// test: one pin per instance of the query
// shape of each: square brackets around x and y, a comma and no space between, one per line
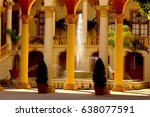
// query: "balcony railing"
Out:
[4,51]
[36,40]
[92,41]
[146,40]
[61,41]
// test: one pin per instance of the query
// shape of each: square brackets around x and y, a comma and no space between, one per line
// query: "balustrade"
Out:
[62,40]
[4,51]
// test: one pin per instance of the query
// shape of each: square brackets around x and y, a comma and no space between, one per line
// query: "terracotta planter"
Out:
[14,73]
[98,90]
[42,88]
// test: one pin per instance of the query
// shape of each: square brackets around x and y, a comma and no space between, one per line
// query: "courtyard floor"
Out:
[60,94]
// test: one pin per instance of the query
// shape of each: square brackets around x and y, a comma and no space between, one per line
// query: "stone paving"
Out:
[60,94]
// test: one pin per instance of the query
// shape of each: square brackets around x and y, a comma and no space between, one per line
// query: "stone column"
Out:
[2,9]
[9,21]
[103,35]
[119,62]
[48,44]
[70,83]
[23,80]
[85,4]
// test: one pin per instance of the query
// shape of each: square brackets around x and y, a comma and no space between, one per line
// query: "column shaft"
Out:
[9,21]
[118,63]
[85,3]
[70,57]
[48,45]
[70,83]
[23,81]
[103,35]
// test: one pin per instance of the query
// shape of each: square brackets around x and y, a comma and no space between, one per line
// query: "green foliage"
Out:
[111,42]
[60,24]
[41,73]
[127,36]
[130,41]
[14,39]
[138,45]
[91,24]
[144,6]
[13,35]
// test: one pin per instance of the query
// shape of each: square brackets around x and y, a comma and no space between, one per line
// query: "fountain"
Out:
[81,70]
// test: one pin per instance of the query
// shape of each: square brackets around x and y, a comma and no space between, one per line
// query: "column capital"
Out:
[9,4]
[119,18]
[103,10]
[25,18]
[71,18]
[48,11]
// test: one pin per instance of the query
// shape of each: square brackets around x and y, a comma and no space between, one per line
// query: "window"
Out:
[139,24]
[41,23]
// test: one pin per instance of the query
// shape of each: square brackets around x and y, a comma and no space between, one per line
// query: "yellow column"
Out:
[23,80]
[70,83]
[118,60]
[2,9]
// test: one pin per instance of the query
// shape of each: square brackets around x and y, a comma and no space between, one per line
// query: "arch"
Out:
[134,66]
[29,9]
[125,6]
[34,59]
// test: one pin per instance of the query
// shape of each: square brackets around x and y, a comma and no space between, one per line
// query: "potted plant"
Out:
[99,78]
[60,25]
[91,24]
[41,77]
[14,72]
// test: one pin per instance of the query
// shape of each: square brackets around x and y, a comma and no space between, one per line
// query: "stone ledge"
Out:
[86,84]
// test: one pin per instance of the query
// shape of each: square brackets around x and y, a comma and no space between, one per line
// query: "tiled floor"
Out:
[32,94]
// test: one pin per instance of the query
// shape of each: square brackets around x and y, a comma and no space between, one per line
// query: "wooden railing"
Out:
[4,51]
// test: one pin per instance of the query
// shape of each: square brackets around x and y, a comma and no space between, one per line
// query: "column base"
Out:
[1,88]
[70,86]
[50,89]
[23,86]
[118,87]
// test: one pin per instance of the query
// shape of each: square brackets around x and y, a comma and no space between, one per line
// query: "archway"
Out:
[34,59]
[134,65]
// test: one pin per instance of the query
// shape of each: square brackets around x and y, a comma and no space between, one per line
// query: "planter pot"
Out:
[103,90]
[14,73]
[42,88]
[98,90]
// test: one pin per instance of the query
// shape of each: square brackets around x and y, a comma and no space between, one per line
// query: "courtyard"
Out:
[60,94]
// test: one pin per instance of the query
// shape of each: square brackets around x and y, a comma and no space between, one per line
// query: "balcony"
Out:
[60,41]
